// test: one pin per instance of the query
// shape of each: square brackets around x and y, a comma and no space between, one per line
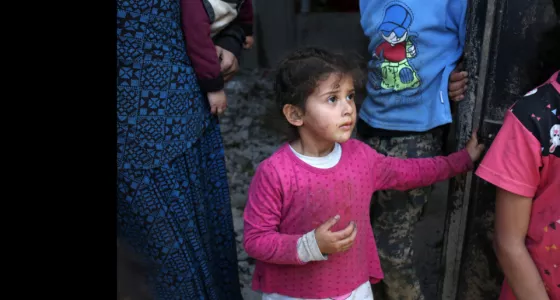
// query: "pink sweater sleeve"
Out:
[404,174]
[262,216]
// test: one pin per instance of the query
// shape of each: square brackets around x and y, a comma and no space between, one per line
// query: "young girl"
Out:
[307,216]
[523,163]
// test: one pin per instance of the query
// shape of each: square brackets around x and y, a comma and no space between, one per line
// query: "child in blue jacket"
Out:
[414,48]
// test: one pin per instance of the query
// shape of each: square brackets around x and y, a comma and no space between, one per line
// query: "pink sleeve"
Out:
[404,174]
[513,161]
[262,216]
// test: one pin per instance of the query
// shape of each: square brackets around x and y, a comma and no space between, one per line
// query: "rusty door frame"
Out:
[468,118]
[494,27]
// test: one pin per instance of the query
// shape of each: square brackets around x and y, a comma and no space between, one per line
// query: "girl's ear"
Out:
[293,114]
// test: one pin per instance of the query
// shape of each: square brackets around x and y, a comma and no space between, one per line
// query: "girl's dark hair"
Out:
[300,72]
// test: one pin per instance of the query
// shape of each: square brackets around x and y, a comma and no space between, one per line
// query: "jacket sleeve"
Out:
[231,38]
[245,17]
[200,47]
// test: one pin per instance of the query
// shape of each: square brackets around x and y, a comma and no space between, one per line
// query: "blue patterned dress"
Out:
[172,190]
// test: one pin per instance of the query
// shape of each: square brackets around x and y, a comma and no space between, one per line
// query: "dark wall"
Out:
[281,28]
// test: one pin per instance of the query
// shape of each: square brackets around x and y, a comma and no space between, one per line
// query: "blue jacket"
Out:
[414,45]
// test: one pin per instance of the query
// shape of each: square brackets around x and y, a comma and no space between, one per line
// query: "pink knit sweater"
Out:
[288,198]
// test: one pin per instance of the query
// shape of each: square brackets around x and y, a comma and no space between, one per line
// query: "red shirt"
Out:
[394,53]
[524,160]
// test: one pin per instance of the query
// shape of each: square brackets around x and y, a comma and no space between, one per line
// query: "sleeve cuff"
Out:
[468,160]
[505,183]
[307,248]
[209,85]
[231,39]
[231,44]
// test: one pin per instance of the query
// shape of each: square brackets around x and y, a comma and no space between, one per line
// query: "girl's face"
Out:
[330,111]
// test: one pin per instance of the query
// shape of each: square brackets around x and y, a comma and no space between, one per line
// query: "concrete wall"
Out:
[279,30]
[335,31]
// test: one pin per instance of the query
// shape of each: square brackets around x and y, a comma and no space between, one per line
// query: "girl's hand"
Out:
[333,242]
[248,44]
[474,148]
[218,102]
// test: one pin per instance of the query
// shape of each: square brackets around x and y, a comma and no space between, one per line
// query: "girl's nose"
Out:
[348,108]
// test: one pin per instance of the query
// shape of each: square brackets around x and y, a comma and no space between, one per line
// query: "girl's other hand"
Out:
[332,242]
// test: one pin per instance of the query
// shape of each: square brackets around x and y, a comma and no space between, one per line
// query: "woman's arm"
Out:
[200,47]
[512,220]
[245,17]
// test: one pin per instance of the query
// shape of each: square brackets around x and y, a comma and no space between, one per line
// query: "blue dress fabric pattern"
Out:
[173,204]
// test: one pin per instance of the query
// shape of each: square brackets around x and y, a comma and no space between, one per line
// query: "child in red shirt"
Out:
[524,164]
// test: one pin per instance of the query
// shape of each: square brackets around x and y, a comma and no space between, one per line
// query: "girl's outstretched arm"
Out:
[405,174]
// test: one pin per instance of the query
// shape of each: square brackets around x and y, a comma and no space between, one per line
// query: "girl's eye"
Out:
[350,97]
[332,99]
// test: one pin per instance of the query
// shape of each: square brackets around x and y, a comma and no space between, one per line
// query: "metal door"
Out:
[501,49]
